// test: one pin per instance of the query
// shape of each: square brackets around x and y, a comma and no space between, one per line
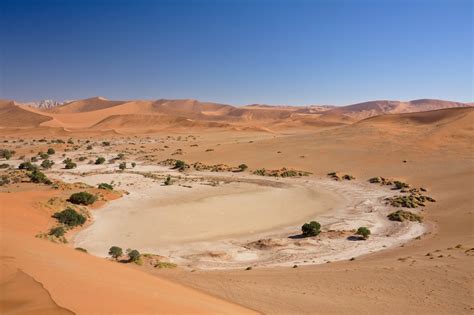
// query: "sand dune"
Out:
[146,116]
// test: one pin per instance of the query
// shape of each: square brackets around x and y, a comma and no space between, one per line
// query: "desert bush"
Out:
[167,181]
[400,185]
[100,160]
[243,167]
[36,176]
[312,228]
[133,255]
[57,231]
[47,164]
[82,198]
[6,154]
[4,180]
[51,151]
[70,217]
[123,166]
[105,186]
[70,165]
[364,232]
[179,165]
[402,215]
[115,252]
[27,166]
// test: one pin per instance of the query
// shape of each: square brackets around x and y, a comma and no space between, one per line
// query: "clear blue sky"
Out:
[237,52]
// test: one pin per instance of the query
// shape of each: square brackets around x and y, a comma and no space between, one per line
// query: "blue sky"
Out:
[237,52]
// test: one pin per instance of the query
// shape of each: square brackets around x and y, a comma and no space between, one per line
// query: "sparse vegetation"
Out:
[133,255]
[312,228]
[100,160]
[70,217]
[46,164]
[36,176]
[105,186]
[403,215]
[27,166]
[364,232]
[6,154]
[115,252]
[243,167]
[82,198]
[57,231]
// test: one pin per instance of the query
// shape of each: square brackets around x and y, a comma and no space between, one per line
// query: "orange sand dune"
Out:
[79,282]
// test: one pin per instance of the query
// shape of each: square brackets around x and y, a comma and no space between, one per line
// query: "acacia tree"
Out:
[115,252]
[364,232]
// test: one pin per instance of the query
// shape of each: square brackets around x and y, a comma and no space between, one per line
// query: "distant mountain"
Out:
[44,104]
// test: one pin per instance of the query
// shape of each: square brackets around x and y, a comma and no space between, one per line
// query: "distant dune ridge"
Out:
[143,116]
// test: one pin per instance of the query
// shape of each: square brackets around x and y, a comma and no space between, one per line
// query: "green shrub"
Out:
[57,231]
[402,215]
[243,167]
[4,180]
[51,151]
[36,176]
[70,217]
[47,164]
[6,154]
[27,166]
[133,255]
[70,165]
[100,160]
[312,228]
[105,186]
[364,232]
[83,198]
[179,165]
[115,252]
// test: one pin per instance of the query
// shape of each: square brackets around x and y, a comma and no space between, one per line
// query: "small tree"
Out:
[364,232]
[133,255]
[312,228]
[115,252]
[51,151]
[100,160]
[83,198]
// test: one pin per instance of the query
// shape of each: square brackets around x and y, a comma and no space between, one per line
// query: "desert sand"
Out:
[429,272]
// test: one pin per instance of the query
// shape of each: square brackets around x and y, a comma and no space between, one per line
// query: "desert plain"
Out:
[214,197]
